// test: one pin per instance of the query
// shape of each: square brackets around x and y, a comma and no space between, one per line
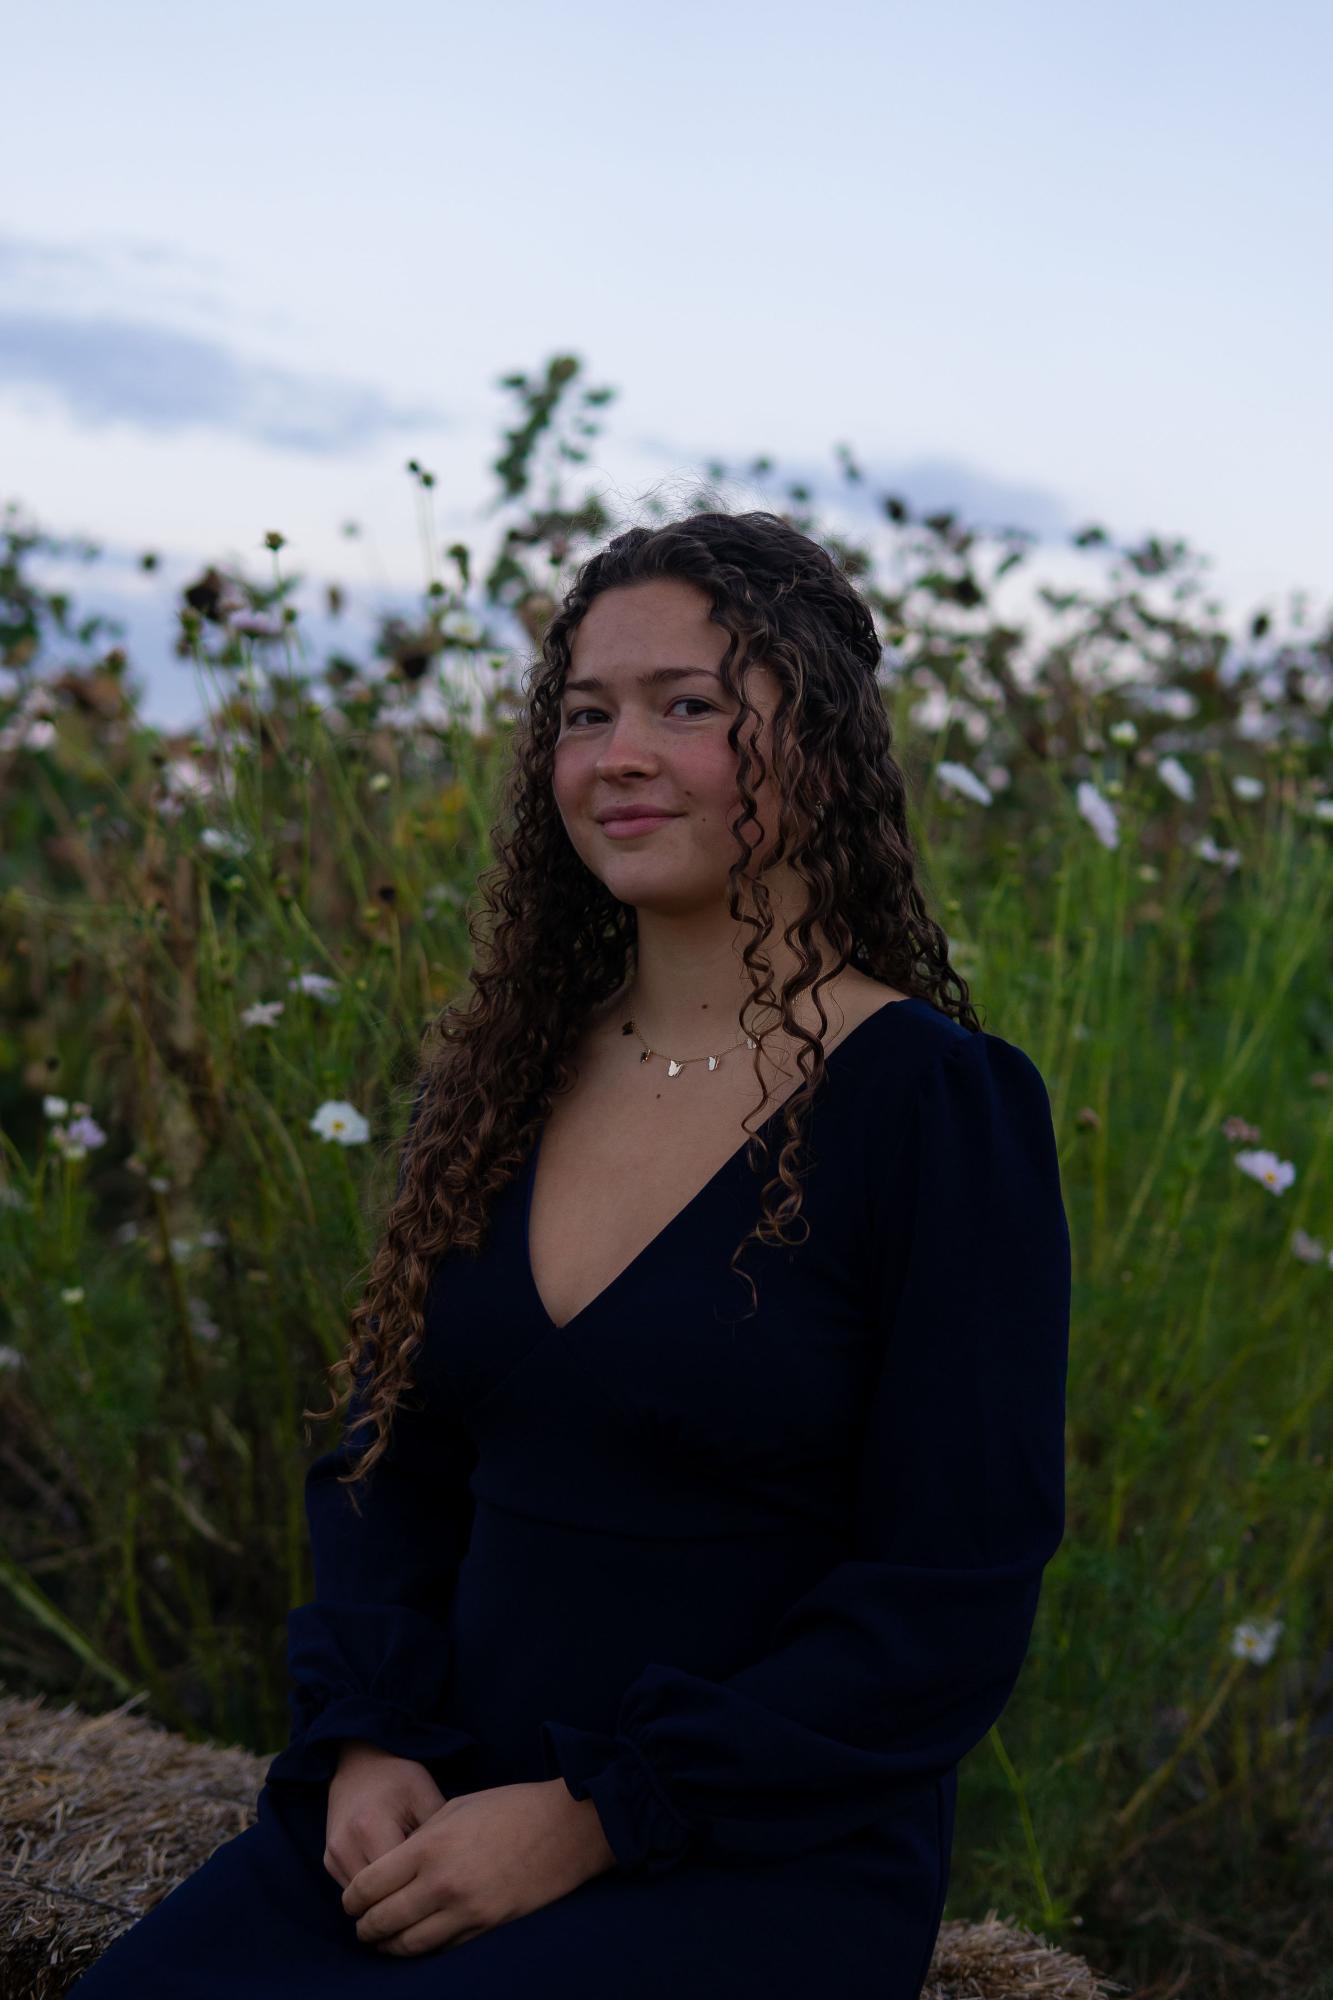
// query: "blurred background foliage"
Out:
[219,949]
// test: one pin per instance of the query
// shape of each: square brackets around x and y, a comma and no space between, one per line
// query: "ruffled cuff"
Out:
[643,1829]
[376,1672]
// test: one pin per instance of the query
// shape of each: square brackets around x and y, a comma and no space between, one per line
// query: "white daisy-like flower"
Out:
[316,983]
[203,1326]
[1265,1166]
[184,778]
[460,625]
[55,1107]
[72,1295]
[218,840]
[1246,787]
[39,735]
[1176,778]
[1308,1248]
[85,1132]
[1227,858]
[960,779]
[261,1013]
[1124,732]
[159,1183]
[1255,1639]
[10,1358]
[1322,810]
[1099,813]
[336,1119]
[256,624]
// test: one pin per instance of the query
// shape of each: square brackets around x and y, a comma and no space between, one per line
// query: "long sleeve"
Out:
[368,1656]
[898,1660]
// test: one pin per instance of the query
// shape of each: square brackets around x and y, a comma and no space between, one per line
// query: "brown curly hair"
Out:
[560,944]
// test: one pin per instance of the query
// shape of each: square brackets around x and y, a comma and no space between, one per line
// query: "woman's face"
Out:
[627,741]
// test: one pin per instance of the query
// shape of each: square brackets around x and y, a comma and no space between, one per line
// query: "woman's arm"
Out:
[368,1657]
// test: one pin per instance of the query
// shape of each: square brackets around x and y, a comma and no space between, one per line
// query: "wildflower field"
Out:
[219,951]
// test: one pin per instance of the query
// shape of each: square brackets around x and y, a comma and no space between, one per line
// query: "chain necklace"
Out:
[675,1064]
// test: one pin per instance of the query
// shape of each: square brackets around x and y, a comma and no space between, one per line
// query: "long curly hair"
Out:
[552,943]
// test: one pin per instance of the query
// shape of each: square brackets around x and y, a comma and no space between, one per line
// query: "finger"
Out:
[433,1933]
[398,1912]
[380,1878]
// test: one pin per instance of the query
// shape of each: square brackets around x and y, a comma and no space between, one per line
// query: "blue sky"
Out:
[1046,264]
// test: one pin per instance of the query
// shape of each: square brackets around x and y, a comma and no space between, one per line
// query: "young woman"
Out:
[689,1520]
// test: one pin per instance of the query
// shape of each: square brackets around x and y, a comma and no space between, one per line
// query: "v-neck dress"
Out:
[752,1582]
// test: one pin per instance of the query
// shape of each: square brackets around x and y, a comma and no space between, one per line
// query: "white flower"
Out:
[317,983]
[339,1120]
[203,1327]
[1308,1248]
[1099,813]
[1227,858]
[1323,810]
[184,778]
[1176,778]
[1263,1165]
[159,1183]
[1255,1638]
[85,1132]
[10,1358]
[261,1014]
[127,1232]
[39,735]
[1247,788]
[380,782]
[256,624]
[62,1142]
[72,1295]
[1125,731]
[55,1107]
[219,841]
[962,780]
[210,1239]
[460,625]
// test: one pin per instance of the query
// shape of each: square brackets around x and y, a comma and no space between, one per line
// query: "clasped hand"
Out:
[482,1859]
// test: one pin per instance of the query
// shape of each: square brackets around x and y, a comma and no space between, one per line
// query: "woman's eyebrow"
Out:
[657,676]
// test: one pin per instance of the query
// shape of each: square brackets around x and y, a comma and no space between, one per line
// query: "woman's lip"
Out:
[644,823]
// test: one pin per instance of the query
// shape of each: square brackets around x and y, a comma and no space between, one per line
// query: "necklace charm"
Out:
[675,1066]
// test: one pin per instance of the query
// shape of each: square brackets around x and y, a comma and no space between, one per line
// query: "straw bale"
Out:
[102,1815]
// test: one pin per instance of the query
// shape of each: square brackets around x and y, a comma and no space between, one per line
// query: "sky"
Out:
[1044,264]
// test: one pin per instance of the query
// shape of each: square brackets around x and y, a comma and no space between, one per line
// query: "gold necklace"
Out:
[675,1064]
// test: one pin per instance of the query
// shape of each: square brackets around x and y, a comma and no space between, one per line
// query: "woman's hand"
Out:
[482,1859]
[375,1801]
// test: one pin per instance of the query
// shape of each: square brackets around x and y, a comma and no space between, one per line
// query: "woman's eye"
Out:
[695,701]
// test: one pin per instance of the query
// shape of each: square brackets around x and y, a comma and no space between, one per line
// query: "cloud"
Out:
[108,370]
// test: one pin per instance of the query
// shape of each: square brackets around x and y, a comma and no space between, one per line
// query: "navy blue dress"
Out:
[752,1584]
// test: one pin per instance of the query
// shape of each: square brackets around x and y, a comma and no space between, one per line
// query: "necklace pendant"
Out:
[713,1061]
[673,1067]
[749,1041]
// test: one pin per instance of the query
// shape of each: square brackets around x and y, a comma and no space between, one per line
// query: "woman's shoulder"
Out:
[906,1046]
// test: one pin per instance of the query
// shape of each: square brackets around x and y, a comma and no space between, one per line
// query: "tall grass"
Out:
[217,956]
